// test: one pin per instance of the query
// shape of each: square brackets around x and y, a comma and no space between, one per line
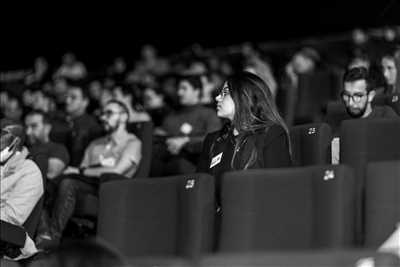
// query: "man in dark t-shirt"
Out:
[357,96]
[55,156]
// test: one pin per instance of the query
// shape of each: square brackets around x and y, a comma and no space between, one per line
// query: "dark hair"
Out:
[254,104]
[121,105]
[45,117]
[358,73]
[81,85]
[392,56]
[255,108]
[193,80]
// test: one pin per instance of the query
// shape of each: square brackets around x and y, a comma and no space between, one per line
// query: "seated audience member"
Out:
[83,127]
[184,131]
[126,94]
[118,152]
[71,68]
[21,182]
[51,157]
[38,127]
[357,96]
[156,105]
[308,87]
[13,109]
[255,135]
[392,244]
[391,71]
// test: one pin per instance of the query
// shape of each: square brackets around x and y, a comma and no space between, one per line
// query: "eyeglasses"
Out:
[109,113]
[356,97]
[224,92]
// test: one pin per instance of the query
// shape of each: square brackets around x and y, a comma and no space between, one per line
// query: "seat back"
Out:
[170,216]
[311,144]
[291,208]
[337,258]
[363,141]
[382,204]
[144,131]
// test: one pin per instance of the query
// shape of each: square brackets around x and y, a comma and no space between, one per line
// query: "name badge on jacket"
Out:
[215,160]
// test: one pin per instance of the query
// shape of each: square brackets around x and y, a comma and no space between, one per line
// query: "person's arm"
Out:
[23,196]
[130,157]
[55,168]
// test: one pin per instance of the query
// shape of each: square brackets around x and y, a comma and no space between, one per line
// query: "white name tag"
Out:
[215,160]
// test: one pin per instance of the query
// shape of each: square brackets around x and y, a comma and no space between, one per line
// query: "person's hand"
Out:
[175,144]
[71,170]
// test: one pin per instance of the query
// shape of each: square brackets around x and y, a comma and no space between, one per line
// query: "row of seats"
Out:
[311,207]
[339,258]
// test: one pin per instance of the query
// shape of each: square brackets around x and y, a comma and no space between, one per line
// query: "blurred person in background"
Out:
[254,64]
[184,130]
[309,86]
[390,65]
[83,127]
[13,109]
[40,73]
[155,103]
[129,95]
[118,152]
[117,71]
[71,68]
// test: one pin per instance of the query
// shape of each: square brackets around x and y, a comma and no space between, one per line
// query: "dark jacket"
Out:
[264,148]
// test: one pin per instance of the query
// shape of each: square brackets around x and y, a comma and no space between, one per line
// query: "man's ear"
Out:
[371,95]
[47,128]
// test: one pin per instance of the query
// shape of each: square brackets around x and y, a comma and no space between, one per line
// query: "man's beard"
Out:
[356,113]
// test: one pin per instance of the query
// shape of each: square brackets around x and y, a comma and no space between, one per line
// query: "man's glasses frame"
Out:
[355,97]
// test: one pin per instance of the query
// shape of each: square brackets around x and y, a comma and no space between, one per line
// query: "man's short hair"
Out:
[80,85]
[358,73]
[45,117]
[121,105]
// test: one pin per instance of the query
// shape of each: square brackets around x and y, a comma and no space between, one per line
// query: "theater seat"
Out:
[382,204]
[292,208]
[87,205]
[339,258]
[166,216]
[311,144]
[364,141]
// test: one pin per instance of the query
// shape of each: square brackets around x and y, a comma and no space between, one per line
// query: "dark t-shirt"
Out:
[382,112]
[44,151]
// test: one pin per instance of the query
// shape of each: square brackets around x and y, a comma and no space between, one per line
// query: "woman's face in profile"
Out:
[225,104]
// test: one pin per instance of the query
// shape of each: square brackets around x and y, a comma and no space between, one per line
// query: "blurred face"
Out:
[225,104]
[13,109]
[389,70]
[75,102]
[152,100]
[356,98]
[112,116]
[302,64]
[36,130]
[188,95]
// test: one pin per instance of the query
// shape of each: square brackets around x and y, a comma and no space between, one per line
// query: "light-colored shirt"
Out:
[21,188]
[106,152]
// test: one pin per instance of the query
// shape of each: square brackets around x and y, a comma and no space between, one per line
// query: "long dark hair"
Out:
[255,109]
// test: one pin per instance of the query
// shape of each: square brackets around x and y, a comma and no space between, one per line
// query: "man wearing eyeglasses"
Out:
[357,96]
[118,152]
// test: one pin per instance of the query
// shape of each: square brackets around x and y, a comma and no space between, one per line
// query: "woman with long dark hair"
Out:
[255,135]
[390,64]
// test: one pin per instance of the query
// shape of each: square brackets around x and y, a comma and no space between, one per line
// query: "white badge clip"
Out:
[215,160]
